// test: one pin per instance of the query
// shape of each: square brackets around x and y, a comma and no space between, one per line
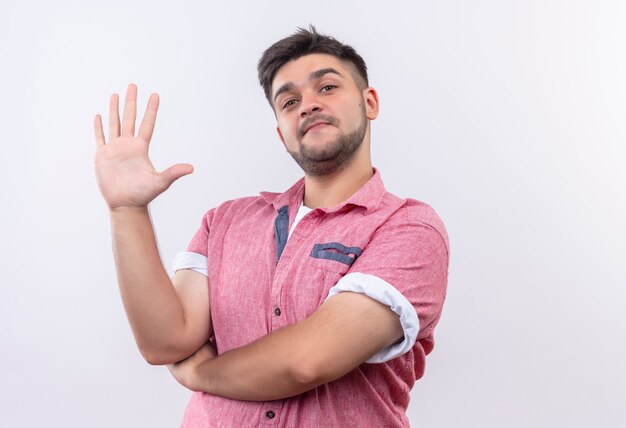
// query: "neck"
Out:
[333,189]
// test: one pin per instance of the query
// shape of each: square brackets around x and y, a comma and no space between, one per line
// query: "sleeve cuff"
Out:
[385,293]
[193,261]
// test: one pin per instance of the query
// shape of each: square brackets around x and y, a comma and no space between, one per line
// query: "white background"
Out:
[508,117]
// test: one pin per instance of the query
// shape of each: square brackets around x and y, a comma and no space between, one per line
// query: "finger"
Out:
[173,173]
[149,119]
[130,111]
[98,131]
[114,117]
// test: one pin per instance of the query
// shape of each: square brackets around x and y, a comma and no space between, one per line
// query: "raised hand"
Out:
[126,177]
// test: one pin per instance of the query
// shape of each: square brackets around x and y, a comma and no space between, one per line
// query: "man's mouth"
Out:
[315,126]
[316,123]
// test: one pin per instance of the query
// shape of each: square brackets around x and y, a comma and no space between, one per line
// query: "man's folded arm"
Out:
[180,335]
[391,297]
[169,317]
[344,332]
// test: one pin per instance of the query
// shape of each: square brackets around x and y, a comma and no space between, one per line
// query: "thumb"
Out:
[173,173]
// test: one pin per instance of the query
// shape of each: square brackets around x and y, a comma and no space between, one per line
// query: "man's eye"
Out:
[327,88]
[289,103]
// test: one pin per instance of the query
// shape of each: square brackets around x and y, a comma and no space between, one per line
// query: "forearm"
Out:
[152,305]
[260,371]
[343,333]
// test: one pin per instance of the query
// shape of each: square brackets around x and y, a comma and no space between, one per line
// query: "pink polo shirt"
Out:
[264,276]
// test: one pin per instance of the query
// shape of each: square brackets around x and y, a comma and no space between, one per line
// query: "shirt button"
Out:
[270,415]
[277,312]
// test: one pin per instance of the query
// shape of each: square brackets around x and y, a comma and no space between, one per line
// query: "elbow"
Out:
[314,368]
[303,375]
[309,374]
[155,360]
[156,357]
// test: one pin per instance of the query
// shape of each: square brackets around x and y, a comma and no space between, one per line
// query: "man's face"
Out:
[322,113]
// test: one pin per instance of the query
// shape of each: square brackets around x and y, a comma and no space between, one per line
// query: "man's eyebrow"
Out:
[286,87]
[319,73]
[313,76]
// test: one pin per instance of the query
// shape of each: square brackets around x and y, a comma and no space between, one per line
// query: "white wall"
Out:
[507,116]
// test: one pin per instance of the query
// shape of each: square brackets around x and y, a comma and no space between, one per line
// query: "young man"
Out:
[312,307]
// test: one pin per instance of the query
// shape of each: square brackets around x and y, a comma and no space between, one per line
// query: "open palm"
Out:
[125,174]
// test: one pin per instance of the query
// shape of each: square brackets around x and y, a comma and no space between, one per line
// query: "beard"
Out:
[336,155]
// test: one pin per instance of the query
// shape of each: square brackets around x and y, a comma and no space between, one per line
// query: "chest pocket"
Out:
[332,260]
[336,252]
[327,263]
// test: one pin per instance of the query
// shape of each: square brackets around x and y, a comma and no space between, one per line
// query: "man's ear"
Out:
[370,96]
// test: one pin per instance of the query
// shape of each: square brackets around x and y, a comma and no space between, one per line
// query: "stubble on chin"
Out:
[337,154]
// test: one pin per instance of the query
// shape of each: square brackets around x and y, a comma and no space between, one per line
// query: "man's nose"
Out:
[309,105]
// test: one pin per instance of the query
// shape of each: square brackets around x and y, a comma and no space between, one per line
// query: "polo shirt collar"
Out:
[368,196]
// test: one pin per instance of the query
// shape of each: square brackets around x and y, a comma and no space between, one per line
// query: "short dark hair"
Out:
[304,42]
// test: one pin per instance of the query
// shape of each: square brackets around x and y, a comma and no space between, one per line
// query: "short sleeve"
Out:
[410,253]
[199,243]
[194,261]
[197,254]
[385,293]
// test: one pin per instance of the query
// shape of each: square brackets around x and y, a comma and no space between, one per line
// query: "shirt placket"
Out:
[286,245]
[281,231]
[271,413]
[285,254]
[285,248]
